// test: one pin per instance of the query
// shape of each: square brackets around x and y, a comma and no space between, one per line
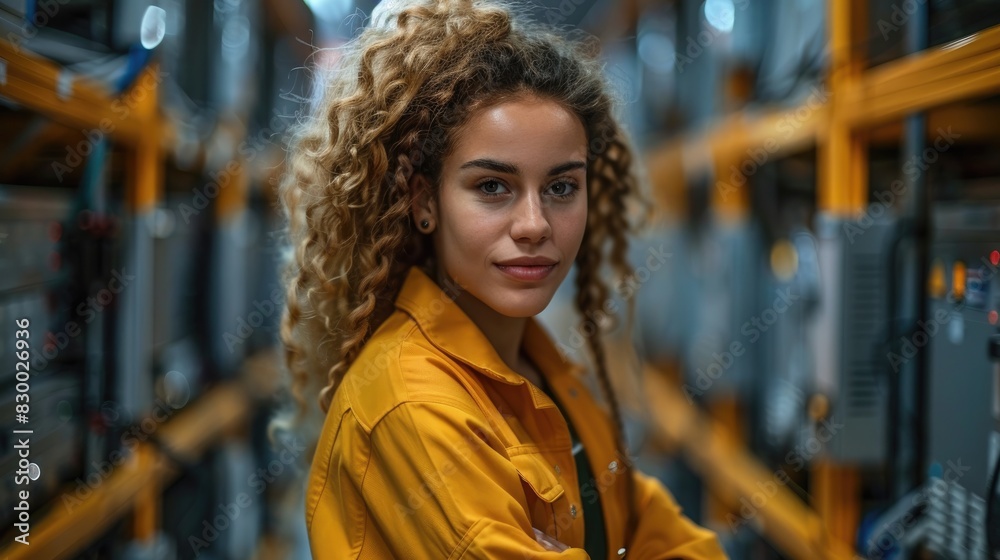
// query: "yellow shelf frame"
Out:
[135,486]
[731,473]
[968,68]
[36,84]
[134,121]
[862,103]
[725,145]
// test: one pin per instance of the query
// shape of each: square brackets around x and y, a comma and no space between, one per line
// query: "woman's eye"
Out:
[492,188]
[563,189]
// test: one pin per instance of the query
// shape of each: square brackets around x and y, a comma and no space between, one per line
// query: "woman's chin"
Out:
[518,303]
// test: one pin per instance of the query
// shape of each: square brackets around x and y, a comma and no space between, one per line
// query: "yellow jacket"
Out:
[433,448]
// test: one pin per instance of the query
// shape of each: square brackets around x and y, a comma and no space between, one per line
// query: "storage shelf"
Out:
[864,106]
[132,120]
[225,408]
[964,70]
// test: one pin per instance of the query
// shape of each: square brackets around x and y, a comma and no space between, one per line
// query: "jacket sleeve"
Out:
[663,532]
[435,489]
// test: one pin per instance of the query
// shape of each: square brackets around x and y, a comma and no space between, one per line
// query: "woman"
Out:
[461,163]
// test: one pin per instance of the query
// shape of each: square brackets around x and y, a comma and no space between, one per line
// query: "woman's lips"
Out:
[527,273]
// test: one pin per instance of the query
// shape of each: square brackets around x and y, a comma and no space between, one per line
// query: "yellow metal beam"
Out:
[146,185]
[75,522]
[843,171]
[146,516]
[965,69]
[737,478]
[233,194]
[235,176]
[843,152]
[837,487]
[977,123]
[727,414]
[730,151]
[669,185]
[45,87]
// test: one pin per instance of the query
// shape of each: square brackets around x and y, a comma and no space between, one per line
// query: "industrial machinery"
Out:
[845,337]
[948,514]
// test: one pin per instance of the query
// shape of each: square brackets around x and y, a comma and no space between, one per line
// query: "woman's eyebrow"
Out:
[511,169]
[568,166]
[493,165]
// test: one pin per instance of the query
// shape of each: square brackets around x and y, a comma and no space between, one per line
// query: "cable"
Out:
[904,231]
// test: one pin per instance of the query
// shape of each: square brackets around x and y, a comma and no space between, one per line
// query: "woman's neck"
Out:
[504,333]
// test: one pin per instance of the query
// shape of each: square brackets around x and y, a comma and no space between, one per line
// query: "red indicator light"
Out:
[993,317]
[995,257]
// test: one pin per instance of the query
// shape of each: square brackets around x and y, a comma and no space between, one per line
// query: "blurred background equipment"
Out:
[37,284]
[139,233]
[815,371]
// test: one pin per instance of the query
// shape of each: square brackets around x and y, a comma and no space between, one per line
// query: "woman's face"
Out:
[511,209]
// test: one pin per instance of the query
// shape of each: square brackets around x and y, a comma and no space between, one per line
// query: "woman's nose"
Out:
[530,223]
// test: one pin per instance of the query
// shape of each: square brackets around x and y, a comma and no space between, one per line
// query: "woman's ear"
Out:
[423,206]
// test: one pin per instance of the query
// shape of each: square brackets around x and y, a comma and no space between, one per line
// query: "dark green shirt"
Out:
[595,540]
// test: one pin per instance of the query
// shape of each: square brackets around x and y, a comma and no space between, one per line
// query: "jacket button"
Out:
[557,469]
[621,552]
[572,511]
[613,466]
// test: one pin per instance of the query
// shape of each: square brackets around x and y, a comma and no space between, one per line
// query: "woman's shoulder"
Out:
[400,365]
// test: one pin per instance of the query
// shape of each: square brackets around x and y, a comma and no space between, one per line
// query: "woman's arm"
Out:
[663,532]
[435,489]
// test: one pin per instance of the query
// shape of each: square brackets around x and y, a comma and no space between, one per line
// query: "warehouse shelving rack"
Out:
[862,103]
[44,87]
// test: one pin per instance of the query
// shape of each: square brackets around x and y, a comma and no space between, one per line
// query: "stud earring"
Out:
[425,224]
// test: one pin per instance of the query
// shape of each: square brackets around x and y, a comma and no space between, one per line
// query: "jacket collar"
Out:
[448,328]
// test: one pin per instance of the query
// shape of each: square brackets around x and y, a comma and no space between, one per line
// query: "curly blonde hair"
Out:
[390,109]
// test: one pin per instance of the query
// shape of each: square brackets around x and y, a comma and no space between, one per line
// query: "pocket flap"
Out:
[535,470]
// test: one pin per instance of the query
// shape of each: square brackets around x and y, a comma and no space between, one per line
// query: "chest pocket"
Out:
[541,487]
[538,480]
